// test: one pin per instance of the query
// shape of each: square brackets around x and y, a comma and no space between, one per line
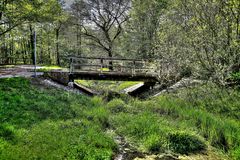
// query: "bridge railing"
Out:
[106,64]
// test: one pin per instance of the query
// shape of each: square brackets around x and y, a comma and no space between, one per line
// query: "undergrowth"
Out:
[46,123]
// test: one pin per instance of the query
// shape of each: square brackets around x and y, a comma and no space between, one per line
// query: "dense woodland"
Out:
[200,36]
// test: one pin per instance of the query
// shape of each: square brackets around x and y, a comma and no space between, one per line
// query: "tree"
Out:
[143,27]
[202,34]
[101,21]
[10,15]
[26,16]
[58,22]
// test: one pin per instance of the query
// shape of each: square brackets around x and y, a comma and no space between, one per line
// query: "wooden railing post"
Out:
[134,67]
[71,65]
[159,68]
[143,64]
[101,69]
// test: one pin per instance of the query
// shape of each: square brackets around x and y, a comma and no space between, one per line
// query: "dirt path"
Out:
[18,71]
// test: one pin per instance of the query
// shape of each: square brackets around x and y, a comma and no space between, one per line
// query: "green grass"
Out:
[7,66]
[46,123]
[211,98]
[207,115]
[107,85]
[154,134]
[235,77]
[104,69]
[48,68]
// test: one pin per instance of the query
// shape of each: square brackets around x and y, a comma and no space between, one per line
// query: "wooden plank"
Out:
[85,89]
[114,66]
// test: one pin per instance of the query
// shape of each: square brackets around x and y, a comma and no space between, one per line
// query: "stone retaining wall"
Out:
[58,76]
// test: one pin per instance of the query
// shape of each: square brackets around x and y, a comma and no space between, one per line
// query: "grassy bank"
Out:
[49,68]
[44,123]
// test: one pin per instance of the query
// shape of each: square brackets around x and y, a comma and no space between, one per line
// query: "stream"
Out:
[126,151]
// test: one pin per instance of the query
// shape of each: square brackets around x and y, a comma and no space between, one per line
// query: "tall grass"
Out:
[152,133]
[170,113]
[220,132]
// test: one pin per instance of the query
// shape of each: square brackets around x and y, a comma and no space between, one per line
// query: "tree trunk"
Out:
[24,52]
[57,46]
[31,45]
[49,51]
[12,51]
[79,41]
[110,55]
[41,46]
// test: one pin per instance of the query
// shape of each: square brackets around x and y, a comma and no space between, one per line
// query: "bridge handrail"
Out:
[110,58]
[118,65]
[106,66]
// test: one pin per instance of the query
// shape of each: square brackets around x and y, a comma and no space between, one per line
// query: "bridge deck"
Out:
[114,76]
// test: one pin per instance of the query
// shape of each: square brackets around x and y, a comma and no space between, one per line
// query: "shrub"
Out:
[99,115]
[96,101]
[184,143]
[7,132]
[140,126]
[186,71]
[155,143]
[111,95]
[116,106]
[3,145]
[235,76]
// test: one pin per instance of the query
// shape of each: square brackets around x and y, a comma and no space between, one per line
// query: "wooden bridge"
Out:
[115,69]
[149,71]
[105,68]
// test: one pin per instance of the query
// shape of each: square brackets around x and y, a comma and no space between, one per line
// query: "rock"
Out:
[58,76]
[158,157]
[70,84]
[166,157]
